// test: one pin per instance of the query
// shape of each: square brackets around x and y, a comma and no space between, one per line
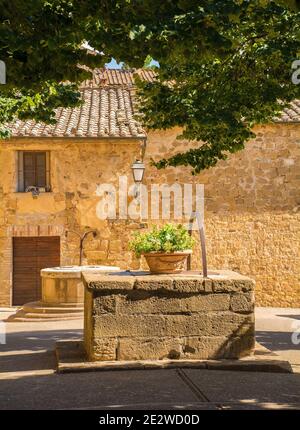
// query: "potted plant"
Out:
[165,249]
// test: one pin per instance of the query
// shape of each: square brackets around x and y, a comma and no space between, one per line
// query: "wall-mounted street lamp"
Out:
[138,169]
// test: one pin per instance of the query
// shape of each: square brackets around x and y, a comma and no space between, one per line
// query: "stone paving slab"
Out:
[70,357]
[157,389]
[211,406]
[248,388]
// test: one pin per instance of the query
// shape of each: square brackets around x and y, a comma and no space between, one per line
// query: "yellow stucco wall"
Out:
[252,205]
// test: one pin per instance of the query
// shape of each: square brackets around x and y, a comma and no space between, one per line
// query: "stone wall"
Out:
[252,205]
[77,167]
[168,317]
[252,210]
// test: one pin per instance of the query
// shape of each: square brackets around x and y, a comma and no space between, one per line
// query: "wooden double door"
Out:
[30,255]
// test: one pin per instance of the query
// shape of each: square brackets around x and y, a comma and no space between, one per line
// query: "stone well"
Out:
[62,294]
[63,285]
[138,316]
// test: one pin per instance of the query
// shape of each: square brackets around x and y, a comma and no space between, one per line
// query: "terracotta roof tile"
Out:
[108,110]
[109,77]
[290,114]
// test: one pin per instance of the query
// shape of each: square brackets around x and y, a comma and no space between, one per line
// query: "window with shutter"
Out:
[33,170]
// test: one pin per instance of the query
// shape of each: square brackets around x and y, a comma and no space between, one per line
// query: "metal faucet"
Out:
[82,239]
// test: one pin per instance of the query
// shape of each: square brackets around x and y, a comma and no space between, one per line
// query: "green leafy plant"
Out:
[169,238]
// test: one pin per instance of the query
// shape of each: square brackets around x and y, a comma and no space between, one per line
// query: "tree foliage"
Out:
[224,65]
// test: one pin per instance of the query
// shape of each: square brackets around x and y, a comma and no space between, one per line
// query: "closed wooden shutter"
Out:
[30,255]
[40,169]
[29,169]
[34,169]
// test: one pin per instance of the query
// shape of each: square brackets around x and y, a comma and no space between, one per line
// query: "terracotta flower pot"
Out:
[167,262]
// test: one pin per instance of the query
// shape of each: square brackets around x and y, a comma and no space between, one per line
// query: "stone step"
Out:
[34,317]
[60,318]
[34,311]
[42,316]
[54,305]
[40,309]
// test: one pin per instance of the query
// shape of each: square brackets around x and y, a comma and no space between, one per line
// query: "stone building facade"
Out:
[252,200]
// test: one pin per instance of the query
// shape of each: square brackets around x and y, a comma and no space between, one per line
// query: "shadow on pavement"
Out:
[293,317]
[277,341]
[32,350]
[150,389]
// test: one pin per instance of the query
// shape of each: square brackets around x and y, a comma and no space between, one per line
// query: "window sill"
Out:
[29,193]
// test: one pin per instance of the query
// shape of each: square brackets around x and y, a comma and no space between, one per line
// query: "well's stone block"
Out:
[105,304]
[141,348]
[138,316]
[242,302]
[142,302]
[104,349]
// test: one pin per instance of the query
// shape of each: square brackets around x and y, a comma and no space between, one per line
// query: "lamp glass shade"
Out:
[138,169]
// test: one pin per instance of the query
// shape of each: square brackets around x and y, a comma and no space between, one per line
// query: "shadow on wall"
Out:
[239,344]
